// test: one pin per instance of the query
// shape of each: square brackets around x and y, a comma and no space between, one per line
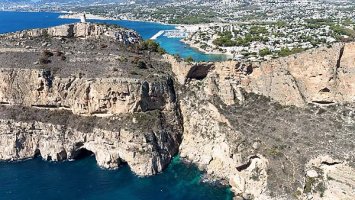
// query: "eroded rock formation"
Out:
[78,88]
[257,125]
[282,129]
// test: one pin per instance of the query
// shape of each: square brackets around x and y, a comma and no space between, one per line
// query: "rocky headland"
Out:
[281,129]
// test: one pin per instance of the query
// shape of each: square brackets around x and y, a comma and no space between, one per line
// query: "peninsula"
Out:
[278,129]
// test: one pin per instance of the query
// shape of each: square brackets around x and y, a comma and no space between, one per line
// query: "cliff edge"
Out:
[83,89]
[281,129]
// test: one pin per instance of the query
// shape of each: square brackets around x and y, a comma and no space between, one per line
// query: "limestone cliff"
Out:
[41,89]
[145,141]
[241,123]
[322,76]
[281,129]
[81,88]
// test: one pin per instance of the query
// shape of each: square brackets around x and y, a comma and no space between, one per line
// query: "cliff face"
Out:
[76,89]
[42,89]
[322,76]
[282,129]
[258,126]
[145,141]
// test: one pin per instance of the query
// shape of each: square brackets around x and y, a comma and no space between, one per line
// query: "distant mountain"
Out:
[84,2]
[81,1]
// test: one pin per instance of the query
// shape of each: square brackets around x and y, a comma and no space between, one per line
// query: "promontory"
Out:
[279,129]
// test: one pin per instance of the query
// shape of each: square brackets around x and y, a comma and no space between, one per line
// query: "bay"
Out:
[16,21]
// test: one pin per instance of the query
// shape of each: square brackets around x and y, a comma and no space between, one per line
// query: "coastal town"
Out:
[256,42]
[243,30]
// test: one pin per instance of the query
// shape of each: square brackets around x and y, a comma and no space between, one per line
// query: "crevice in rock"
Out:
[246,69]
[47,75]
[338,61]
[44,106]
[330,163]
[323,102]
[62,155]
[37,153]
[325,90]
[246,165]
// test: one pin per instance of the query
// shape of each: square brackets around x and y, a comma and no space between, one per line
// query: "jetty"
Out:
[157,35]
[175,34]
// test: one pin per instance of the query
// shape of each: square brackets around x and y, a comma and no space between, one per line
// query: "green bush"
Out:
[141,65]
[151,45]
[225,40]
[286,51]
[340,30]
[264,52]
[189,59]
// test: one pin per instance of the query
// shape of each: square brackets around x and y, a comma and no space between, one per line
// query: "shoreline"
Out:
[74,15]
[71,15]
[68,15]
[215,52]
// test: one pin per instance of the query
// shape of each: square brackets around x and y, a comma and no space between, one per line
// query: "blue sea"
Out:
[82,179]
[14,21]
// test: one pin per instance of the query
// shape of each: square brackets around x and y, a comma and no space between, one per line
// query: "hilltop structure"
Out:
[83,18]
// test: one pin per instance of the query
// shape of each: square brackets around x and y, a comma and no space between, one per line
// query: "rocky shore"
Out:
[281,129]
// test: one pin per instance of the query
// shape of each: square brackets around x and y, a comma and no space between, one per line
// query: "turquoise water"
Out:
[14,21]
[83,179]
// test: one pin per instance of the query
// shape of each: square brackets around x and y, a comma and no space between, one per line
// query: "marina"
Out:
[175,34]
[170,34]
[154,37]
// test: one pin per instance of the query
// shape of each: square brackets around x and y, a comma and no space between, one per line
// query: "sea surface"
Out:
[15,21]
[82,179]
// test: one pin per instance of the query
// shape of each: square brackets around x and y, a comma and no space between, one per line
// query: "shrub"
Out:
[286,51]
[103,46]
[151,45]
[47,53]
[58,53]
[141,65]
[44,60]
[264,52]
[189,59]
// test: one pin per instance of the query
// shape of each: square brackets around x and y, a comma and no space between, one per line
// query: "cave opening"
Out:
[325,90]
[82,153]
[199,71]
[37,154]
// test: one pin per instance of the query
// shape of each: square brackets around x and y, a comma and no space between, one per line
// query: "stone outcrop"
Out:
[327,178]
[81,30]
[145,141]
[322,76]
[42,89]
[241,124]
[281,129]
[77,89]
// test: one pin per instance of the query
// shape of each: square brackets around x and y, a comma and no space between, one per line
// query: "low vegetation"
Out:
[151,45]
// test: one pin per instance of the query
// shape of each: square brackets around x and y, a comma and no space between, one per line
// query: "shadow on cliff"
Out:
[82,153]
